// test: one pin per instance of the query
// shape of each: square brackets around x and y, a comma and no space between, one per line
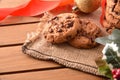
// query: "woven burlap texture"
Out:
[81,59]
[64,54]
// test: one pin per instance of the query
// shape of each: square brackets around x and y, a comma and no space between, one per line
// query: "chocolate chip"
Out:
[59,30]
[55,18]
[68,17]
[118,13]
[61,25]
[45,36]
[50,30]
[115,1]
[80,21]
[70,24]
[78,31]
[54,23]
[69,37]
[48,21]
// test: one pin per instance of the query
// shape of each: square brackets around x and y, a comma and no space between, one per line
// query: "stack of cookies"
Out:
[112,15]
[68,27]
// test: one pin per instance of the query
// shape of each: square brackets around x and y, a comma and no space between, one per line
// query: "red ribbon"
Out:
[36,7]
[4,12]
[103,4]
[33,8]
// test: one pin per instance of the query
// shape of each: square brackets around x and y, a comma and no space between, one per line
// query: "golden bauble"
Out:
[87,6]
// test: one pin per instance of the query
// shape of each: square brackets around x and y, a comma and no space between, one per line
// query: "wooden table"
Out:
[14,65]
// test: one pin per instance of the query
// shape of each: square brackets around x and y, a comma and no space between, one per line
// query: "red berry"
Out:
[114,71]
[116,74]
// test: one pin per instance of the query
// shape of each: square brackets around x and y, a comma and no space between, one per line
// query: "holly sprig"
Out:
[111,54]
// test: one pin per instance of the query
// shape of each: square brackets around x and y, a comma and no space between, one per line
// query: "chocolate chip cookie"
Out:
[61,28]
[86,35]
[112,15]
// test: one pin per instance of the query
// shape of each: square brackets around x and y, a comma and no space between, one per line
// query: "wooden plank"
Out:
[57,74]
[12,59]
[18,20]
[15,34]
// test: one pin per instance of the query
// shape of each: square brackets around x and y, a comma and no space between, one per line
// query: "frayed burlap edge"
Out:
[67,63]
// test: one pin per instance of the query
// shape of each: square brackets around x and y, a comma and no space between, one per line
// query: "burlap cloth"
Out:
[81,59]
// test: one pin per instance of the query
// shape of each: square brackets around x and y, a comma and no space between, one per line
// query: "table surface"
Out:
[14,65]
